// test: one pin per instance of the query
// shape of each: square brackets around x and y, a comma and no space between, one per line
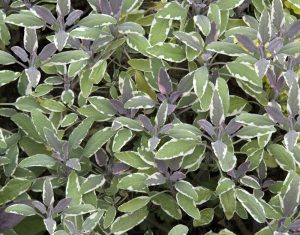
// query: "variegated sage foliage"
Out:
[149,117]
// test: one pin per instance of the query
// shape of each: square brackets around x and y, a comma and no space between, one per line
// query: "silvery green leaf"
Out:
[277,14]
[179,229]
[291,48]
[217,110]
[127,122]
[185,188]
[189,40]
[175,148]
[220,149]
[229,4]
[225,48]
[25,19]
[134,204]
[68,57]
[97,141]
[48,195]
[139,102]
[30,40]
[206,217]
[250,182]
[293,103]
[109,216]
[224,185]
[228,203]
[21,209]
[80,209]
[202,23]
[92,221]
[283,157]
[33,75]
[80,132]
[21,53]
[131,27]
[290,139]
[252,205]
[98,71]
[128,221]
[214,15]
[122,137]
[255,120]
[63,7]
[172,11]
[103,105]
[133,182]
[132,159]
[249,132]
[60,39]
[50,225]
[167,51]
[261,67]
[290,198]
[188,205]
[38,160]
[6,58]
[73,189]
[156,179]
[264,28]
[53,105]
[162,113]
[168,205]
[159,30]
[7,76]
[91,183]
[97,20]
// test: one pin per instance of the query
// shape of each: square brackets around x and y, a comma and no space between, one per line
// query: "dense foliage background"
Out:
[149,117]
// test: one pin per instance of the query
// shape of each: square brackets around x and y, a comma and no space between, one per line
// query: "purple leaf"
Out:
[276,114]
[174,96]
[105,7]
[73,164]
[116,7]
[164,82]
[45,14]
[207,126]
[146,122]
[213,34]
[177,175]
[268,183]
[47,52]
[232,127]
[62,205]
[293,29]
[171,108]
[153,142]
[101,157]
[119,168]
[161,166]
[275,45]
[119,107]
[74,43]
[21,53]
[175,163]
[272,78]
[40,206]
[246,42]
[243,168]
[8,220]
[73,16]
[166,128]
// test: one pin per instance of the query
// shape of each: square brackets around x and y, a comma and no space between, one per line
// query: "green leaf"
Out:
[97,141]
[68,57]
[6,59]
[228,203]
[229,4]
[179,229]
[225,48]
[97,20]
[175,148]
[80,132]
[139,102]
[255,120]
[189,40]
[12,189]
[25,19]
[7,76]
[128,221]
[131,27]
[129,123]
[73,189]
[202,23]
[252,205]
[167,51]
[132,159]
[121,139]
[53,105]
[92,221]
[21,209]
[249,132]
[38,160]
[109,216]
[138,42]
[92,183]
[40,121]
[185,188]
[98,71]
[173,11]
[79,210]
[283,157]
[103,105]
[134,204]
[206,216]
[250,182]
[85,33]
[159,30]
[188,205]
[133,182]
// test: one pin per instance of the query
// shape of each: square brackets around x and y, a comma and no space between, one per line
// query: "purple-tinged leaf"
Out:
[272,78]
[268,183]
[275,45]
[47,52]
[21,53]
[40,206]
[105,7]
[174,164]
[261,67]
[164,82]
[162,166]
[232,127]
[232,174]
[295,226]
[174,96]
[207,127]
[116,7]
[119,168]
[290,139]
[243,168]
[74,43]
[177,175]
[155,179]
[162,114]
[101,157]
[62,205]
[119,107]
[277,14]
[73,16]
[171,108]
[48,195]
[213,34]
[8,220]
[264,28]
[275,114]
[30,40]
[153,143]
[60,39]
[33,75]
[293,104]
[74,164]
[293,29]
[63,7]
[45,14]
[246,42]
[146,122]
[50,225]
[166,128]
